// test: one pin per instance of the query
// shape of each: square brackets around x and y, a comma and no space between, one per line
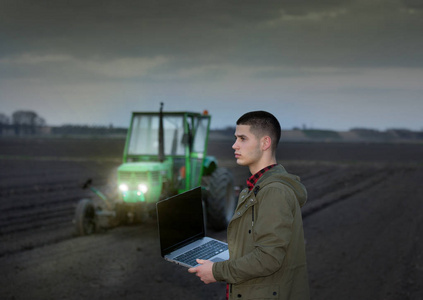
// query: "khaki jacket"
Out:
[266,241]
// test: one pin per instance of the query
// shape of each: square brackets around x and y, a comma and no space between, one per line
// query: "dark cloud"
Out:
[243,32]
[413,4]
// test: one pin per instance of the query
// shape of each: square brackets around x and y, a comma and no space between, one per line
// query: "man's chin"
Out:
[240,162]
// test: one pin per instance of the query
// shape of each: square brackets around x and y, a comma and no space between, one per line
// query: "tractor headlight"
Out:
[143,188]
[123,187]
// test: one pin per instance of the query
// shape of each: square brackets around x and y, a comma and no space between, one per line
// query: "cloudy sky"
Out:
[321,64]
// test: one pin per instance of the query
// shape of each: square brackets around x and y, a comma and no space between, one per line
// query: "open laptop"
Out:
[182,234]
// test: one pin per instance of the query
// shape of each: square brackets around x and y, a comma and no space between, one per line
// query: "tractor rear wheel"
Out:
[220,202]
[85,218]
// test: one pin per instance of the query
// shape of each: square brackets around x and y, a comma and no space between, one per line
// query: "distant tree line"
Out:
[22,122]
[393,133]
[362,133]
[88,130]
[26,122]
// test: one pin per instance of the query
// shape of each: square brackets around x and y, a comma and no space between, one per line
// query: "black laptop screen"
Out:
[180,220]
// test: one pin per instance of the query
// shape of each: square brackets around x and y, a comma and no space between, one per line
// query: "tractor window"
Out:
[201,134]
[144,138]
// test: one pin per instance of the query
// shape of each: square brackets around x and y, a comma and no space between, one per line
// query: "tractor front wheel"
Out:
[220,202]
[85,217]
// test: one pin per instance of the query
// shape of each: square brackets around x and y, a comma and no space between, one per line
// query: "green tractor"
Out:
[165,154]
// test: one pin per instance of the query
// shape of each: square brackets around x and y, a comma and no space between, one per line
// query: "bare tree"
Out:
[4,122]
[26,122]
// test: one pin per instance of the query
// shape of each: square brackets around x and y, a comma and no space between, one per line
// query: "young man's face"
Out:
[247,146]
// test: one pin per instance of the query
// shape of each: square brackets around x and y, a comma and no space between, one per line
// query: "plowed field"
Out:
[363,223]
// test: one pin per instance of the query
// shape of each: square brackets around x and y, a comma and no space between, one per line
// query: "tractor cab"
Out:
[165,154]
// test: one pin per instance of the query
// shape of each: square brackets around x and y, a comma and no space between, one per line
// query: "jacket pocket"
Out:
[256,292]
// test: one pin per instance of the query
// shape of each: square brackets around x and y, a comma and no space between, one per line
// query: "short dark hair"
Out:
[262,123]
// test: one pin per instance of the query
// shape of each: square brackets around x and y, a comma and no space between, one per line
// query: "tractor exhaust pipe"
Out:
[161,134]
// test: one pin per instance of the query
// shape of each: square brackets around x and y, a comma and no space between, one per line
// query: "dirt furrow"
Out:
[49,185]
[36,219]
[371,241]
[344,177]
[43,221]
[18,191]
[49,197]
[64,175]
[40,201]
[309,173]
[35,238]
[343,193]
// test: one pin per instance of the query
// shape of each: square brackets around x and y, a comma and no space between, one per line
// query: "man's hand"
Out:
[204,271]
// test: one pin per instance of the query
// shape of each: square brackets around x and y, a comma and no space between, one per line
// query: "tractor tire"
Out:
[85,217]
[220,201]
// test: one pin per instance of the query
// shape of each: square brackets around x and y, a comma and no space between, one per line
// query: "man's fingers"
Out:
[194,270]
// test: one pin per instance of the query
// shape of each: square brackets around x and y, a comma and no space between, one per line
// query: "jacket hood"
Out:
[279,174]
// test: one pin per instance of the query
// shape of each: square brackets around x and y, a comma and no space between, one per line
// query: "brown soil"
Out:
[362,223]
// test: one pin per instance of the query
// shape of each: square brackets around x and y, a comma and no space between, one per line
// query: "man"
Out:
[265,235]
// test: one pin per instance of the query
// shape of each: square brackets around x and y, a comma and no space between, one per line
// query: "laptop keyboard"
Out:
[205,251]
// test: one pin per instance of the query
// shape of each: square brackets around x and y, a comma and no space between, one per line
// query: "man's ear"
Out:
[266,142]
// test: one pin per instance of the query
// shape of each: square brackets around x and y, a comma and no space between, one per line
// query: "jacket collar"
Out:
[251,182]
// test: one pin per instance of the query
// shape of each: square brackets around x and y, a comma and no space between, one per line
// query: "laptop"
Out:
[182,233]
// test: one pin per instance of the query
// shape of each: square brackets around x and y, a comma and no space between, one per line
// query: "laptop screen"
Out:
[180,220]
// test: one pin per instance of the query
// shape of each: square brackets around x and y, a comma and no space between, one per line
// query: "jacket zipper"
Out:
[256,189]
